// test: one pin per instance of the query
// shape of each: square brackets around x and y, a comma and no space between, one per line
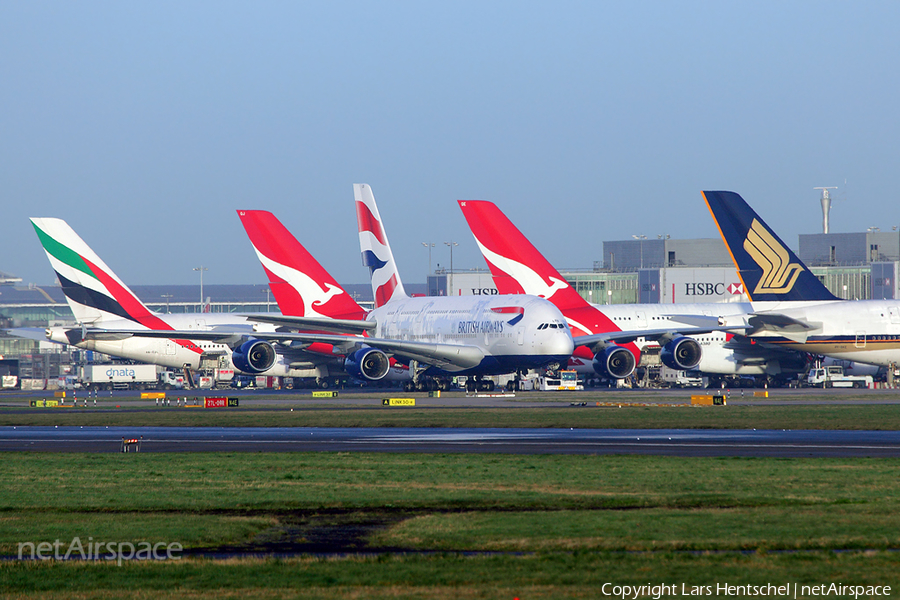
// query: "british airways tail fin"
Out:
[376,251]
[93,291]
[302,287]
[769,270]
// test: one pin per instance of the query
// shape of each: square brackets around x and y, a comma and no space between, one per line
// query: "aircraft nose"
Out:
[560,343]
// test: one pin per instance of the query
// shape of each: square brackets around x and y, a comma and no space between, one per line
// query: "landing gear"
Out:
[477,384]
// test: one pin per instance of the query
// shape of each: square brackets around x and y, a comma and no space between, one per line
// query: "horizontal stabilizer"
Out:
[789,327]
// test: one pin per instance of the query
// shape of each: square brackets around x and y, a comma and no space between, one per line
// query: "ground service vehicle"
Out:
[127,377]
[835,377]
[679,378]
[567,380]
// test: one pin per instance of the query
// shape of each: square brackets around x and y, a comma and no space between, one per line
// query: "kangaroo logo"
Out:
[778,272]
[531,282]
[311,293]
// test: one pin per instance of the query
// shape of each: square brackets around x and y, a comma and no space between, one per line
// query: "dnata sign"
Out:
[119,372]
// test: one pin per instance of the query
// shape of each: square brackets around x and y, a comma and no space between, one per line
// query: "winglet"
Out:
[769,270]
[302,287]
[375,249]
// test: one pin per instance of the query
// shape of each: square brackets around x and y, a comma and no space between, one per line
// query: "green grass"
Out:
[239,482]
[441,577]
[564,524]
[819,416]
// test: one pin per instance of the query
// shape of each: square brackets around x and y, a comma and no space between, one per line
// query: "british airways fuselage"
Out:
[512,332]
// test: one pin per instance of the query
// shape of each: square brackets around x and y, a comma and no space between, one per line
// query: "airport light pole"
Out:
[167,296]
[201,268]
[641,239]
[266,292]
[429,245]
[451,244]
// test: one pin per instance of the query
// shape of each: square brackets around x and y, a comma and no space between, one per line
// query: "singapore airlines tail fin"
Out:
[302,287]
[93,291]
[769,270]
[376,251]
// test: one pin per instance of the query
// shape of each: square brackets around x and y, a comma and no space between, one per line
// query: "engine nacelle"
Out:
[682,353]
[254,356]
[614,361]
[370,364]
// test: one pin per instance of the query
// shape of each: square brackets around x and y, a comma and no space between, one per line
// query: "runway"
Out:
[664,442]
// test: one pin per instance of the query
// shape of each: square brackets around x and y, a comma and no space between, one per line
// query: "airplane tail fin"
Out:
[768,269]
[301,286]
[376,251]
[93,291]
[517,266]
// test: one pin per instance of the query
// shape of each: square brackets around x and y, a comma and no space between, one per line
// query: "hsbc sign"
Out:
[712,289]
[700,284]
[704,289]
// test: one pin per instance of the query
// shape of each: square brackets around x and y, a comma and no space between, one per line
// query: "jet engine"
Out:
[368,363]
[254,356]
[681,353]
[614,361]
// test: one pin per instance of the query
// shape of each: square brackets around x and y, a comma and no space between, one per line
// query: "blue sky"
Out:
[146,125]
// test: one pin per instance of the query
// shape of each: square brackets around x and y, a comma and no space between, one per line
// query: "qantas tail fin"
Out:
[302,287]
[766,266]
[517,266]
[93,291]
[376,251]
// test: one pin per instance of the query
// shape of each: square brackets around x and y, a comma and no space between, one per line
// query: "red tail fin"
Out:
[519,268]
[302,287]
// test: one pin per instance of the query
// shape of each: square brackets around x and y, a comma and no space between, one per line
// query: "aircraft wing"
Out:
[597,340]
[450,357]
[352,326]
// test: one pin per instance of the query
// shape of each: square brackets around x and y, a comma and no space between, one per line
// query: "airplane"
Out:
[442,337]
[518,267]
[104,307]
[439,337]
[514,333]
[865,331]
[303,288]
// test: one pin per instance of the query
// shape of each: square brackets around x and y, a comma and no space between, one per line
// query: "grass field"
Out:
[448,526]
